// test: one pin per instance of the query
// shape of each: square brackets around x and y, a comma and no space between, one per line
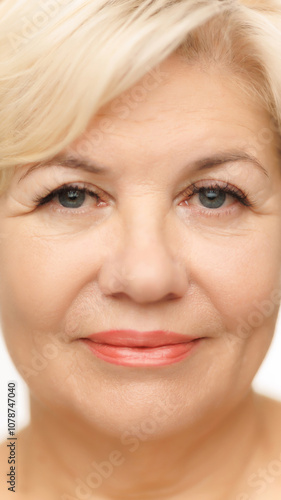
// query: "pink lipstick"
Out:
[136,348]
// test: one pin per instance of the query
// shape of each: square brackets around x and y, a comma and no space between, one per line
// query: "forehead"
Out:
[186,108]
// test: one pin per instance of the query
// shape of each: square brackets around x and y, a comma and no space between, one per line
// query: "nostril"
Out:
[171,296]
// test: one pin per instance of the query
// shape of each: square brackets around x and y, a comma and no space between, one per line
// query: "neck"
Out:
[85,463]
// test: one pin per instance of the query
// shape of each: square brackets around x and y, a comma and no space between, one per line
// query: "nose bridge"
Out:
[145,224]
[145,266]
[146,230]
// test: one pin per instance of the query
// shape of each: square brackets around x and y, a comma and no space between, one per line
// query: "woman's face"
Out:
[149,254]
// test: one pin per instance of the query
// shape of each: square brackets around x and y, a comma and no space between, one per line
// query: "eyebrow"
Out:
[229,157]
[95,168]
[69,162]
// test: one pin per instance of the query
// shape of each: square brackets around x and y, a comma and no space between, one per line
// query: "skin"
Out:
[147,260]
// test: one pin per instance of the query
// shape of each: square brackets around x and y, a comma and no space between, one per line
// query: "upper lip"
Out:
[134,338]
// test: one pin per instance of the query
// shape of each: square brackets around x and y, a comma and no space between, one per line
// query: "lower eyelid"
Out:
[212,214]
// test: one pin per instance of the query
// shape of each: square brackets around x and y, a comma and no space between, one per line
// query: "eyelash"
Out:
[43,200]
[227,188]
[193,189]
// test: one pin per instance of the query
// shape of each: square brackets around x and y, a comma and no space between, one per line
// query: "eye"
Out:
[214,195]
[69,196]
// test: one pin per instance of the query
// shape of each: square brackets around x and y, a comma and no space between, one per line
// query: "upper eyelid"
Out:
[211,180]
[207,183]
[82,187]
[68,185]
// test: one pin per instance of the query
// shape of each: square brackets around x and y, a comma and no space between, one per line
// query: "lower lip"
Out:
[142,356]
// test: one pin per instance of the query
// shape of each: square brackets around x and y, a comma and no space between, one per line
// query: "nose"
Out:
[145,267]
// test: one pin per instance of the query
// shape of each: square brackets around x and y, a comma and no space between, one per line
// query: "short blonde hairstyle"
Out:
[62,60]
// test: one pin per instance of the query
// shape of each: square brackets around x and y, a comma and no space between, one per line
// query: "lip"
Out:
[134,338]
[136,348]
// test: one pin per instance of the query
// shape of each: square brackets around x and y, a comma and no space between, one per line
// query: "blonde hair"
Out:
[62,60]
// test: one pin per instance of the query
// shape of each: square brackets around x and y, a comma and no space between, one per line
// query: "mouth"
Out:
[135,348]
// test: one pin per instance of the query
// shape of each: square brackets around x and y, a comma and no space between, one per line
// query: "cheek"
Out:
[237,271]
[39,281]
[241,279]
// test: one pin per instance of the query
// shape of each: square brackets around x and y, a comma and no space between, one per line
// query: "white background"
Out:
[267,381]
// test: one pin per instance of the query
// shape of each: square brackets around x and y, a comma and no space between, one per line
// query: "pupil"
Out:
[212,198]
[72,198]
